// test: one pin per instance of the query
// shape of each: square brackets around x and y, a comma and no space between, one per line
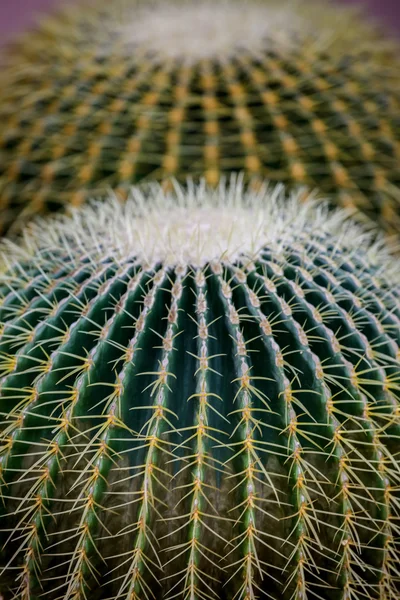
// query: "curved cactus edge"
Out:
[353,18]
[281,213]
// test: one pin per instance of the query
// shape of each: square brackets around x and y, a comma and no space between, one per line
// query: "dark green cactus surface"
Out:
[112,93]
[199,403]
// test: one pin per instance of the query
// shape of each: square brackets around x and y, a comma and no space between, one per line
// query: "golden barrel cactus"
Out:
[200,400]
[106,94]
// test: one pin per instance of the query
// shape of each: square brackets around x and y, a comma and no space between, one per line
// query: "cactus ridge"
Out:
[225,429]
[83,110]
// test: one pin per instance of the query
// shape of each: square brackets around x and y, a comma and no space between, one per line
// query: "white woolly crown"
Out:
[197,30]
[193,225]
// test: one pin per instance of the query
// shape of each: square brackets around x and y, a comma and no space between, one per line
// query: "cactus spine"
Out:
[115,93]
[200,399]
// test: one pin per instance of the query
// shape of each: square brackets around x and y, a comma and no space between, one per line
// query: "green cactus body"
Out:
[111,94]
[199,400]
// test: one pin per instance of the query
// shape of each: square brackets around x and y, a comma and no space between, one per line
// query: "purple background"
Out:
[17,14]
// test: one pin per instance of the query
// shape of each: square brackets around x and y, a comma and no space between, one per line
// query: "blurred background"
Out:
[15,15]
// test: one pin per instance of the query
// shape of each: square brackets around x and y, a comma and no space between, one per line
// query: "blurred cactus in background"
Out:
[200,399]
[108,94]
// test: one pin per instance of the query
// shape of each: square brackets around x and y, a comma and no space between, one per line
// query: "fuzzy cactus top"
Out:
[199,399]
[106,94]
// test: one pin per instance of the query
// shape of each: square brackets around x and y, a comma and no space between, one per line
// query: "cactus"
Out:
[200,400]
[113,93]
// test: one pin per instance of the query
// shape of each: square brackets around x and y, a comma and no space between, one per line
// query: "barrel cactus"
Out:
[200,399]
[108,94]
